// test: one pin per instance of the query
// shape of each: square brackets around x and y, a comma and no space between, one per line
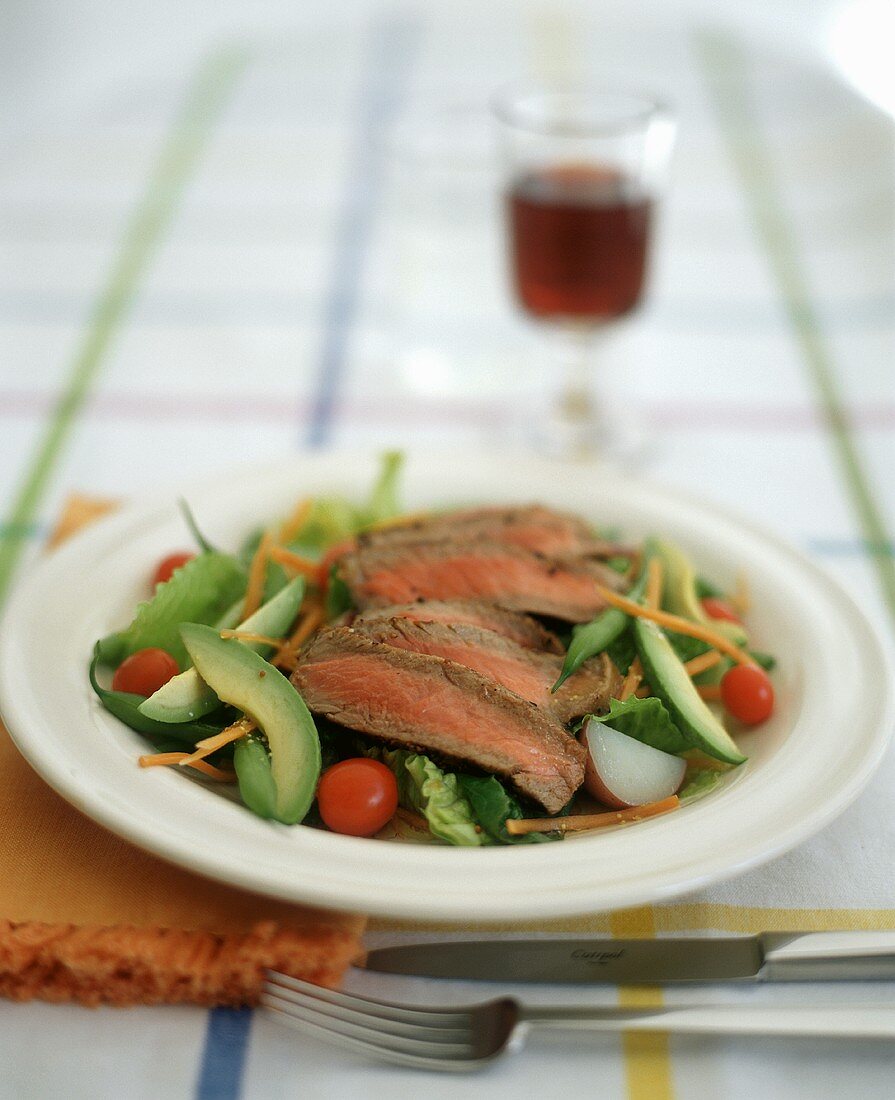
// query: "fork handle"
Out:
[828,1021]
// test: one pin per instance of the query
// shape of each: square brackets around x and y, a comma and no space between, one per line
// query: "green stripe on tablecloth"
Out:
[724,66]
[183,143]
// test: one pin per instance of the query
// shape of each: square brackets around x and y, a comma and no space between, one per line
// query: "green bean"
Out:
[125,706]
[593,637]
[256,783]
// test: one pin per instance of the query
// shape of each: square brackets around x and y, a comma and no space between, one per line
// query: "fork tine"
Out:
[361,1019]
[426,1017]
[369,1040]
[358,1018]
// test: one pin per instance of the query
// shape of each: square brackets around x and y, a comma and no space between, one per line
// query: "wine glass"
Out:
[584,168]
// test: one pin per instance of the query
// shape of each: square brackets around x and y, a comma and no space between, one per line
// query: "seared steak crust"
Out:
[435,705]
[510,576]
[522,629]
[532,527]
[524,671]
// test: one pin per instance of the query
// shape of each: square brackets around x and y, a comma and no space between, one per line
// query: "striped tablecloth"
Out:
[237,261]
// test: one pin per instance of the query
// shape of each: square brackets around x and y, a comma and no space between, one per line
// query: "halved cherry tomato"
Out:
[719,609]
[326,562]
[166,567]
[747,692]
[357,797]
[144,672]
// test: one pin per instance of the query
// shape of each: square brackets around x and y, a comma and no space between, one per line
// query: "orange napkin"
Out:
[85,916]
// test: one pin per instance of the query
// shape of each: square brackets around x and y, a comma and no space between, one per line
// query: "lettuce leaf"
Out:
[698,783]
[383,502]
[200,592]
[425,788]
[492,804]
[648,721]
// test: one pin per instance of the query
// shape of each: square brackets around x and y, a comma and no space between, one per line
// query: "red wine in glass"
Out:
[578,241]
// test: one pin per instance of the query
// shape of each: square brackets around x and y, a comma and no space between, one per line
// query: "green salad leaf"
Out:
[383,502]
[698,783]
[425,788]
[687,647]
[646,720]
[200,592]
[492,805]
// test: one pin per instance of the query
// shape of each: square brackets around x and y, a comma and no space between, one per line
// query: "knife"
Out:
[775,957]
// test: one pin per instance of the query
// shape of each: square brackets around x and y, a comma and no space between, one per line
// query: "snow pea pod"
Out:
[593,637]
[125,706]
[256,783]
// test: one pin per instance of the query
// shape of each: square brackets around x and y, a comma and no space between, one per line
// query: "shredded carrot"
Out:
[632,681]
[288,651]
[581,822]
[709,692]
[309,568]
[208,745]
[741,598]
[653,584]
[294,523]
[249,636]
[703,662]
[676,624]
[161,759]
[255,589]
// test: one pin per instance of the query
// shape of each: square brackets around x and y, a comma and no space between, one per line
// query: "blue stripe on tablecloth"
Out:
[223,1059]
[392,46]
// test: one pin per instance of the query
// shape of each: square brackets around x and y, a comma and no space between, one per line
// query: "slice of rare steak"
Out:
[514,578]
[533,527]
[522,629]
[436,706]
[524,671]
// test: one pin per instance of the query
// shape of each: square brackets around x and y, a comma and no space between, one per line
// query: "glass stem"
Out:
[577,409]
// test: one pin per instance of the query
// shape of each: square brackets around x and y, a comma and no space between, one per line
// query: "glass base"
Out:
[579,430]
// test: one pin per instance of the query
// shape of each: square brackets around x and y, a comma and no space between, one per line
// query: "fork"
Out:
[467,1038]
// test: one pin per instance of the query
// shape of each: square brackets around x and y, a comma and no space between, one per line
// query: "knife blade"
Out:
[791,956]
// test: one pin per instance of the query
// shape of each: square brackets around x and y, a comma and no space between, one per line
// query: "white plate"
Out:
[805,765]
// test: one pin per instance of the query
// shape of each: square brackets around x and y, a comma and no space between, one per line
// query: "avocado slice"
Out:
[680,597]
[243,678]
[670,681]
[187,697]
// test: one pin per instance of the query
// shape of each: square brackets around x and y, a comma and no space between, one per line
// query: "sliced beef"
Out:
[533,527]
[522,629]
[524,671]
[437,706]
[514,578]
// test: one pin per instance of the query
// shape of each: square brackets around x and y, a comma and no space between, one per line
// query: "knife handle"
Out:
[828,956]
[814,1021]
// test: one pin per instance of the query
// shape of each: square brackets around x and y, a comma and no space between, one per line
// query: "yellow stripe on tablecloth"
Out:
[647,1059]
[754,919]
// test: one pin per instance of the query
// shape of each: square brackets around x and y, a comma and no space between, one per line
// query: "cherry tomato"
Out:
[747,693]
[719,609]
[329,558]
[144,672]
[166,567]
[357,796]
